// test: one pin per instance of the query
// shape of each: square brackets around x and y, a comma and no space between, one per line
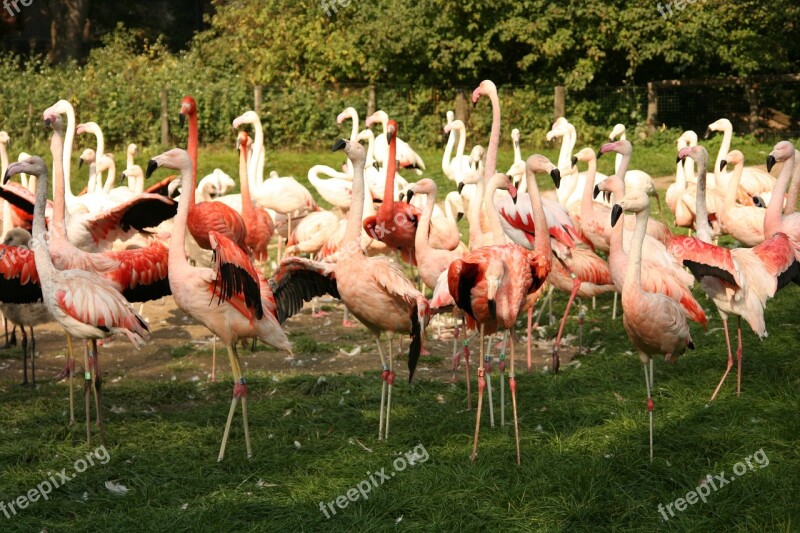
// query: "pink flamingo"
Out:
[491,284]
[739,281]
[655,324]
[246,306]
[774,220]
[260,226]
[395,223]
[205,217]
[375,290]
[80,301]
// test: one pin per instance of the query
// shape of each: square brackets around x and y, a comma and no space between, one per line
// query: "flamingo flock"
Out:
[82,260]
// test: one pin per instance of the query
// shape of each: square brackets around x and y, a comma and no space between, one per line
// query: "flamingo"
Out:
[774,220]
[207,216]
[395,223]
[376,179]
[260,226]
[636,179]
[491,284]
[655,324]
[81,302]
[246,306]
[337,189]
[352,114]
[406,157]
[684,217]
[375,290]
[745,223]
[25,314]
[754,181]
[739,281]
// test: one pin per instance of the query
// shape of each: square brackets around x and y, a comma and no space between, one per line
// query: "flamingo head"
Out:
[635,201]
[188,108]
[515,137]
[17,237]
[719,125]
[620,147]
[391,131]
[540,163]
[5,139]
[33,165]
[486,88]
[618,130]
[88,156]
[377,116]
[586,154]
[242,140]
[454,125]
[349,112]
[423,186]
[698,153]
[734,157]
[248,117]
[781,152]
[355,152]
[133,149]
[56,110]
[175,159]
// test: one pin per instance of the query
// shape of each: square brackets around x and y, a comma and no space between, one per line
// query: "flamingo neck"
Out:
[177,254]
[244,179]
[58,229]
[733,186]
[634,272]
[391,169]
[727,134]
[701,220]
[448,150]
[618,157]
[794,189]
[462,142]
[498,237]
[255,156]
[66,158]
[588,188]
[191,148]
[370,148]
[541,239]
[772,218]
[474,214]
[352,232]
[3,159]
[421,238]
[494,137]
[354,129]
[111,178]
[129,161]
[41,252]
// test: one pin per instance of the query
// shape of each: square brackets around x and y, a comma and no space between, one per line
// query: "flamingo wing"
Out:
[657,280]
[703,259]
[141,274]
[19,281]
[777,256]
[299,280]
[235,276]
[462,276]
[218,217]
[140,212]
[162,187]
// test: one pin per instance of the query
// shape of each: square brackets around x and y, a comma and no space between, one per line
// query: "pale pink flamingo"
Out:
[745,223]
[655,324]
[375,290]
[207,216]
[406,156]
[82,302]
[684,217]
[739,281]
[492,285]
[634,179]
[245,304]
[753,181]
[774,220]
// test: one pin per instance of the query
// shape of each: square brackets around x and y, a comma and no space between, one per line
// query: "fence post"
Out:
[257,99]
[164,118]
[559,102]
[752,95]
[372,101]
[652,107]
[462,106]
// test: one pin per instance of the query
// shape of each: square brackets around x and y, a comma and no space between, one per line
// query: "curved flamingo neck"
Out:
[498,237]
[352,232]
[3,159]
[177,255]
[733,187]
[354,128]
[41,252]
[255,157]
[724,148]
[191,148]
[587,202]
[633,275]
[494,137]
[422,237]
[462,141]
[448,151]
[618,157]
[541,240]
[66,158]
[701,220]
[773,217]
[111,178]
[129,160]
[58,229]
[794,189]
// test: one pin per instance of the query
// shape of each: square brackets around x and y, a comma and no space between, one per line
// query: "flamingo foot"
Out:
[319,314]
[347,324]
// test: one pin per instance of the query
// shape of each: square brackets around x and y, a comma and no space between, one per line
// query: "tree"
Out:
[68,26]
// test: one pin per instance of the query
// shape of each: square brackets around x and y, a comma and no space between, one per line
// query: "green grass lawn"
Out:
[585,462]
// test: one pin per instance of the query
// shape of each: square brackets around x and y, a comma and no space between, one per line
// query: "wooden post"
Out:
[559,102]
[652,107]
[164,118]
[752,96]
[257,99]
[462,106]
[372,104]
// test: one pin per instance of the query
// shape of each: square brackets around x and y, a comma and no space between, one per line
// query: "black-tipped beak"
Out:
[708,133]
[182,119]
[678,159]
[460,187]
[459,216]
[616,212]
[596,191]
[409,196]
[600,153]
[152,165]
[389,136]
[555,174]
[338,145]
[770,162]
[574,160]
[80,162]
[607,196]
[723,164]
[47,122]
[759,202]
[7,176]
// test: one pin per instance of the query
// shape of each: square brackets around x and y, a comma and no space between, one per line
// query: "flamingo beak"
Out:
[339,145]
[607,196]
[513,192]
[555,175]
[459,216]
[771,162]
[574,160]
[460,187]
[409,195]
[152,165]
[390,135]
[182,119]
[723,164]
[708,133]
[759,202]
[80,162]
[616,213]
[596,191]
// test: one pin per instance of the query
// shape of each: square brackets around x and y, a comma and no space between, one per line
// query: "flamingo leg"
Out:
[213,378]
[391,383]
[33,357]
[87,385]
[529,341]
[456,358]
[512,384]
[738,358]
[466,363]
[487,363]
[481,387]
[384,377]
[240,389]
[614,307]
[648,378]
[71,372]
[24,357]
[576,284]
[730,359]
[501,365]
[234,401]
[97,382]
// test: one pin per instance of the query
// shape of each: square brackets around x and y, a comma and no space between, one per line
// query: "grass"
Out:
[584,448]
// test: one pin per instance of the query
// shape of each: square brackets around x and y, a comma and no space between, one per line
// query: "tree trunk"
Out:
[462,105]
[68,19]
